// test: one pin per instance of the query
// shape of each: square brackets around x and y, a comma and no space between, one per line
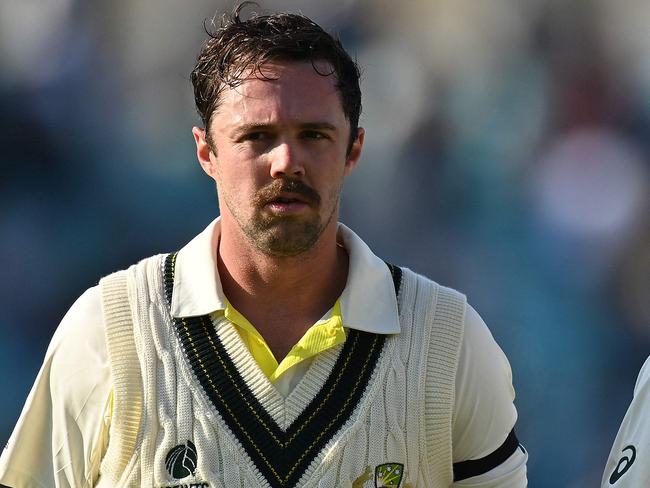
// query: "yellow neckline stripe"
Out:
[321,336]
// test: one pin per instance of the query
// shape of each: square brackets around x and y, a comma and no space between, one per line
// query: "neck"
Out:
[282,295]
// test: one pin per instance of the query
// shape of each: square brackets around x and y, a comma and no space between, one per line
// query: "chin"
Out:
[289,240]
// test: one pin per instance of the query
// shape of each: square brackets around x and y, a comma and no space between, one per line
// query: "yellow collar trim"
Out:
[321,336]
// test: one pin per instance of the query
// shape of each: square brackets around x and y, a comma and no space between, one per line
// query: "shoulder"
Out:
[422,291]
[82,324]
[154,263]
[62,421]
[480,353]
[484,408]
[485,446]
[127,282]
[77,351]
[478,347]
[484,414]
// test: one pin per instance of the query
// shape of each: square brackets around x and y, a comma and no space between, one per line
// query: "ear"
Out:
[204,153]
[354,155]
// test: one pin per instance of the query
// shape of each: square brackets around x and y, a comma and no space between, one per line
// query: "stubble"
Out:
[285,235]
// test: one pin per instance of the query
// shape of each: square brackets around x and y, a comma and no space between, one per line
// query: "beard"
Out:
[284,235]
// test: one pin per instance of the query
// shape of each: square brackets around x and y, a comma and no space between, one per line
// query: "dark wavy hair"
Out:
[239,46]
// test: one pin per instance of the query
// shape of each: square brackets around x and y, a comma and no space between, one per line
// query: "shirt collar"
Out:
[368,302]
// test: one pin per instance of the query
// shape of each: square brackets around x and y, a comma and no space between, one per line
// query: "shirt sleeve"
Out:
[624,469]
[62,431]
[486,452]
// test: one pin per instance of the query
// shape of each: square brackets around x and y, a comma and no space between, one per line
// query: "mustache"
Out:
[279,186]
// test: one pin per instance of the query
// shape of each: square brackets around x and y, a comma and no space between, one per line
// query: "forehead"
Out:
[284,91]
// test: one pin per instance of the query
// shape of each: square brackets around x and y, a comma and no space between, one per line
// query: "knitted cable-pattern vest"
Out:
[193,409]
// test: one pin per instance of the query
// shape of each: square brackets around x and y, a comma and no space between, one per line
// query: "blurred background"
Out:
[507,155]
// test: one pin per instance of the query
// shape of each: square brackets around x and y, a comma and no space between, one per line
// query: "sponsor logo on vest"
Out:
[623,464]
[181,460]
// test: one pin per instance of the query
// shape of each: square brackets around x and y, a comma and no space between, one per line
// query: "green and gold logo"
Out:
[389,475]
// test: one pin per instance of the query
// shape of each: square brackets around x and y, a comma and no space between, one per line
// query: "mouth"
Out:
[287,205]
[288,197]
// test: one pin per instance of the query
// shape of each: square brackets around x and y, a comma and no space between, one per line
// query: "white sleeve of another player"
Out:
[628,465]
[62,431]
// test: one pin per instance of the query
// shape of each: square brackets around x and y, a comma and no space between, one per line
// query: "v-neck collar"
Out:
[281,436]
[283,410]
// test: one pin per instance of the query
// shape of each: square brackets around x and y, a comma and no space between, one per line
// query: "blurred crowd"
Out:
[507,155]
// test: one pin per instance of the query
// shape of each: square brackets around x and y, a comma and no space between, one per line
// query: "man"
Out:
[275,349]
[623,469]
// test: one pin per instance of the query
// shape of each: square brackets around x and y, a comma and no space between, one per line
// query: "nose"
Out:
[286,160]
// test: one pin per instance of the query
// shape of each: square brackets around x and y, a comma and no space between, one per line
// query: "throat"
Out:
[282,299]
[282,337]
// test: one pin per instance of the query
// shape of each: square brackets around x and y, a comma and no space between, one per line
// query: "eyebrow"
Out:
[252,127]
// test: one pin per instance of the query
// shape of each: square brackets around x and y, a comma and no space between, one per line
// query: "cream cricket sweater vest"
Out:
[193,409]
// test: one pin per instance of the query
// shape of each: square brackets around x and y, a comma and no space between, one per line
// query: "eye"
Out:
[313,134]
[256,136]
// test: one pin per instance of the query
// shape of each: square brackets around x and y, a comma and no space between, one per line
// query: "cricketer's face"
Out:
[279,157]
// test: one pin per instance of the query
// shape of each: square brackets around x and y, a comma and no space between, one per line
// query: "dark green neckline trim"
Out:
[282,456]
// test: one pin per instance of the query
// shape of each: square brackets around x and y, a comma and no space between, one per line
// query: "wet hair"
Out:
[239,47]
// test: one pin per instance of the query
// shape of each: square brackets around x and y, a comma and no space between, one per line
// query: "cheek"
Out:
[240,181]
[331,184]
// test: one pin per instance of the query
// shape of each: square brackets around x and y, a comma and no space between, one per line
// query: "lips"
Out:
[287,205]
[288,199]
